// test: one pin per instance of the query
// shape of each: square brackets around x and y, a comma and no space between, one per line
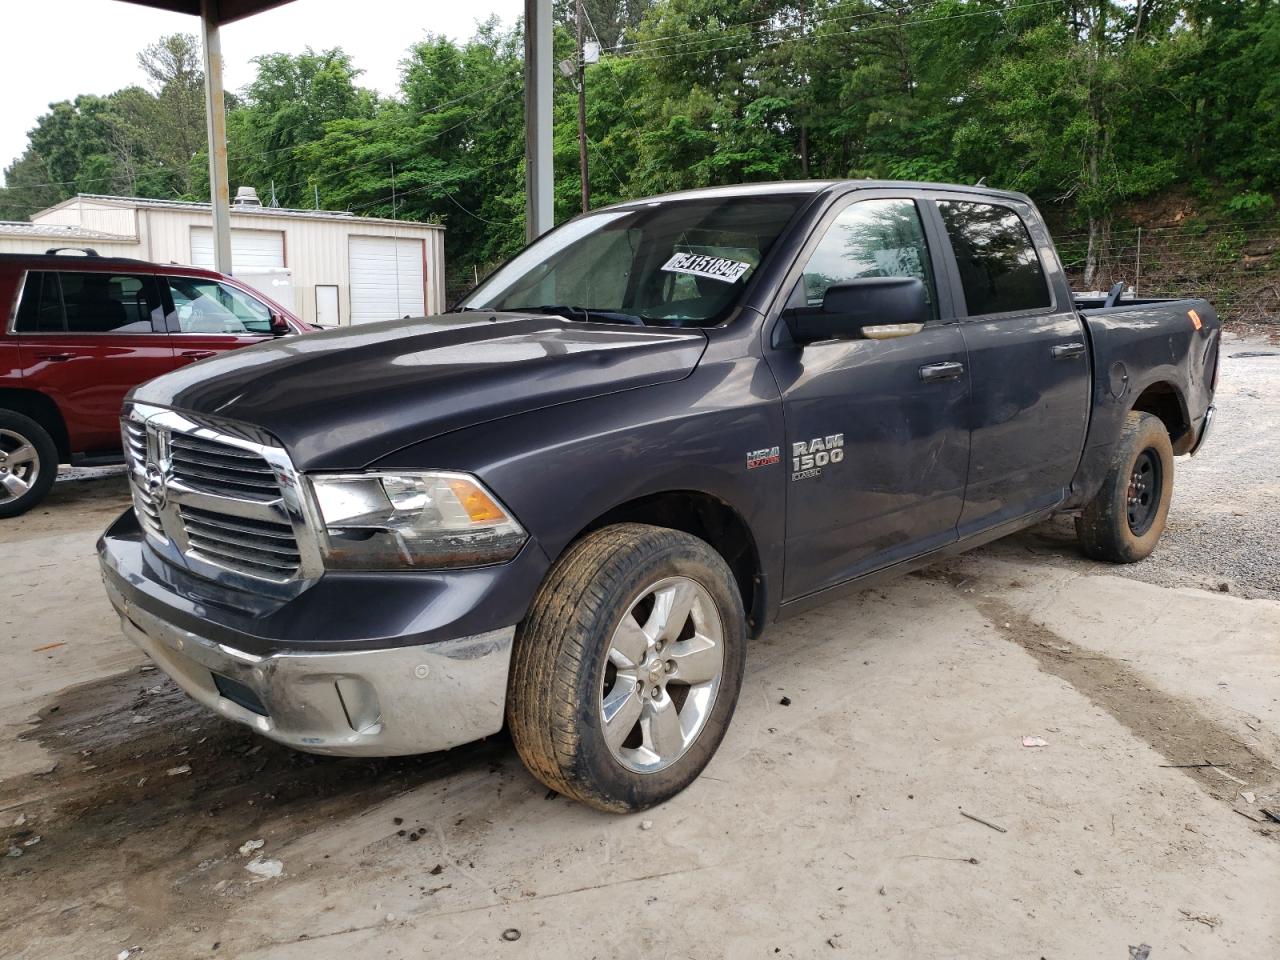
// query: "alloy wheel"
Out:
[19,465]
[665,661]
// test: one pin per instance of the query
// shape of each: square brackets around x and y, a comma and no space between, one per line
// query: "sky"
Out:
[56,49]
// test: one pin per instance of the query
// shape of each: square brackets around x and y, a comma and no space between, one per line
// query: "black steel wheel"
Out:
[1124,520]
[1142,499]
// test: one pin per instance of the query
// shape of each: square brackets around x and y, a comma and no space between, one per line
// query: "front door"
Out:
[1028,362]
[208,317]
[877,438]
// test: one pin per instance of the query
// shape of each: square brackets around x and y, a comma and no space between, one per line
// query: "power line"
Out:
[675,40]
[816,34]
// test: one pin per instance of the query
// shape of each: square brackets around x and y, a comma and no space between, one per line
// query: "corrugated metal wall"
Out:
[316,251]
[27,244]
[107,218]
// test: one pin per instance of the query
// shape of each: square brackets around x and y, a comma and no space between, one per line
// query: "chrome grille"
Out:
[256,546]
[221,469]
[135,443]
[144,505]
[225,502]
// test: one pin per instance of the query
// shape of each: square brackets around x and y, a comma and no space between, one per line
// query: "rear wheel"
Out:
[627,669]
[28,463]
[1124,521]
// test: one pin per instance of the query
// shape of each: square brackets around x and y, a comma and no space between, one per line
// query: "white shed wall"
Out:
[315,251]
[108,218]
[108,248]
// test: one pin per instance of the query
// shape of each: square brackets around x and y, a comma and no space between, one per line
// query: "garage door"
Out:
[249,248]
[386,278]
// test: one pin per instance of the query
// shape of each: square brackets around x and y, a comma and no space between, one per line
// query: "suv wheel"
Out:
[28,463]
[627,669]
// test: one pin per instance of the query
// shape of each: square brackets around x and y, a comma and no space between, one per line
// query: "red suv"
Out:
[82,331]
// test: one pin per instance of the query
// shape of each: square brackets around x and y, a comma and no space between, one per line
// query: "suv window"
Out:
[870,238]
[41,308]
[89,302]
[999,269]
[207,306]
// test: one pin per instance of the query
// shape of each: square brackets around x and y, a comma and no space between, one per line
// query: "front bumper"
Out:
[360,703]
[353,665]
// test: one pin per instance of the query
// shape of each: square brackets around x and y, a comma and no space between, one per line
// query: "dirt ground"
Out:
[890,810]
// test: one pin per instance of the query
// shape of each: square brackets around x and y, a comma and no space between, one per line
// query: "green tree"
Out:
[285,110]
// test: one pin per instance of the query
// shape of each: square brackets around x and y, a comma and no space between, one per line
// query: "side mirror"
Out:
[280,326]
[873,308]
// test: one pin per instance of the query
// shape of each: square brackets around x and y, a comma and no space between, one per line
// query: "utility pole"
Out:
[219,194]
[802,60]
[582,117]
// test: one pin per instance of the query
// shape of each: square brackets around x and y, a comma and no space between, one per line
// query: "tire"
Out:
[1124,521]
[583,642]
[28,463]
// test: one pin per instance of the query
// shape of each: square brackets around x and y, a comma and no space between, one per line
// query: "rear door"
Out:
[1028,360]
[877,431]
[207,317]
[86,339]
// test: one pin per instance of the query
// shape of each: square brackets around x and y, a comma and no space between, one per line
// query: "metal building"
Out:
[330,267]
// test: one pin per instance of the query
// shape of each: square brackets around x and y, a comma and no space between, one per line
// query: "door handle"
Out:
[1062,351]
[941,371]
[198,354]
[55,357]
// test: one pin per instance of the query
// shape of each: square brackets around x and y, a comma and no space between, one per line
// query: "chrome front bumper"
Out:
[387,702]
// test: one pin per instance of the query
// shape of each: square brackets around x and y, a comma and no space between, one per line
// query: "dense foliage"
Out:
[1084,104]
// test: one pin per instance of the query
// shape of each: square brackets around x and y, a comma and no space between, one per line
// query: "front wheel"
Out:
[627,669]
[28,463]
[1124,521]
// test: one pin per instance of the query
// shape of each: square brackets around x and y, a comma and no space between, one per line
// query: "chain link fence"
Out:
[1236,266]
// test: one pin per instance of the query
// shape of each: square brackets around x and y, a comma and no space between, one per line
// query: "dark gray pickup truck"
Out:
[567,505]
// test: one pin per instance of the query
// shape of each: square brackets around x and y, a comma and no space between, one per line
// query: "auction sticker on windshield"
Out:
[713,268]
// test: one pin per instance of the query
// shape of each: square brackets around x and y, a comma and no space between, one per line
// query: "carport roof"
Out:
[221,11]
[56,231]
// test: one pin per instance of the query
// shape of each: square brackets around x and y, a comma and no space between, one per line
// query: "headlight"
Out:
[390,521]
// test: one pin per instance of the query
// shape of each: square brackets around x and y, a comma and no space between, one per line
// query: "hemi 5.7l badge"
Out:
[808,457]
[764,457]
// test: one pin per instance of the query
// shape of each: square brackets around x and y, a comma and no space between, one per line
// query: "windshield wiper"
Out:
[581,314]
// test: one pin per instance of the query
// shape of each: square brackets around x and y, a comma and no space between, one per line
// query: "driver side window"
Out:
[870,238]
[207,306]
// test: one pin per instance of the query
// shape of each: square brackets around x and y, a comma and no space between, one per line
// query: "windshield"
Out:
[680,263]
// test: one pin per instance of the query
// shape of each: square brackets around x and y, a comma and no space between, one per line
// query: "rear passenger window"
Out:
[999,269]
[41,308]
[65,302]
[111,303]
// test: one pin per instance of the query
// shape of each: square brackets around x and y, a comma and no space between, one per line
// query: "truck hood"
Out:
[342,399]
